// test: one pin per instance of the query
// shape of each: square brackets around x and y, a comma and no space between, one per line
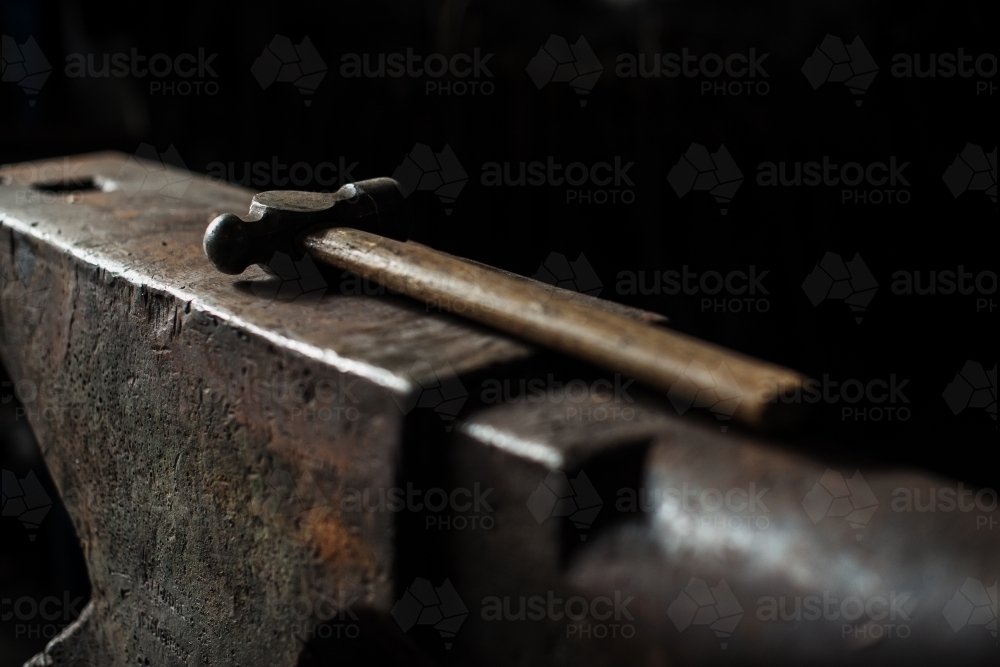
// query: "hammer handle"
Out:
[685,367]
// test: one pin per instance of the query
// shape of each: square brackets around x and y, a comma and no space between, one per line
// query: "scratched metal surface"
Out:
[155,240]
[198,429]
[208,501]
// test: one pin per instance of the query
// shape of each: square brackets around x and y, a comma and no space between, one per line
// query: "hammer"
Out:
[363,227]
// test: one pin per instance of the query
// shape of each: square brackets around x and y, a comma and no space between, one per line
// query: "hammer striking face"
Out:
[279,220]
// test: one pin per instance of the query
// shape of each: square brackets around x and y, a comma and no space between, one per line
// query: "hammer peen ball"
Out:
[227,244]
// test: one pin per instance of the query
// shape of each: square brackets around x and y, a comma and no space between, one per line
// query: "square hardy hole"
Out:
[79,184]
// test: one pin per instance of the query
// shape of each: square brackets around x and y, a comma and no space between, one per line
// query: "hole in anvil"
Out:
[81,184]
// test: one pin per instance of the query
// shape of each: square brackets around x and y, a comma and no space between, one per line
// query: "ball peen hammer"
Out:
[363,227]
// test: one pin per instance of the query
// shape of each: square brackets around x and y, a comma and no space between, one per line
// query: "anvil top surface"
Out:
[146,223]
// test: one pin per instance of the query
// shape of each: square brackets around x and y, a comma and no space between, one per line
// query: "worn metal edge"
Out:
[370,372]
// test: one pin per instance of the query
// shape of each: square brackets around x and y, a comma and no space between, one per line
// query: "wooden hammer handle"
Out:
[691,371]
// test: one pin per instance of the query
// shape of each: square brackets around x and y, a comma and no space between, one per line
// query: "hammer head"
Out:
[279,219]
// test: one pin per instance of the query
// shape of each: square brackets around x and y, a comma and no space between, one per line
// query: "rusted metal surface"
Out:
[181,414]
[175,410]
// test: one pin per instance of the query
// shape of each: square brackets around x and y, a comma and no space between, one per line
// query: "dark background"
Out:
[649,121]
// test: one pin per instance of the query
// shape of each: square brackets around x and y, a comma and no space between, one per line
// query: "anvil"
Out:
[222,453]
